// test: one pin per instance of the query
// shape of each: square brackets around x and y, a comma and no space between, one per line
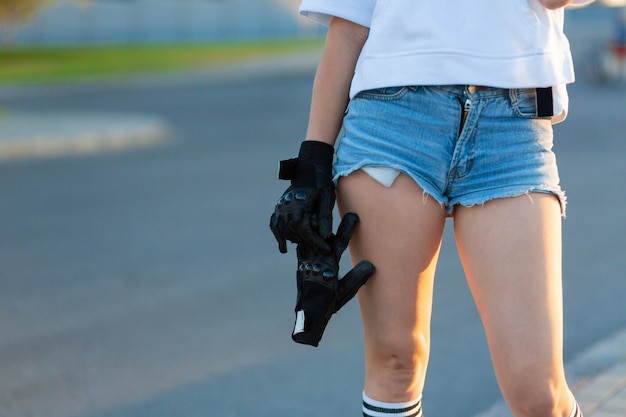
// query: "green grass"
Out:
[66,64]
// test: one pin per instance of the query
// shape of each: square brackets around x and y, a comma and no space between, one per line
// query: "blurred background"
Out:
[139,143]
[149,21]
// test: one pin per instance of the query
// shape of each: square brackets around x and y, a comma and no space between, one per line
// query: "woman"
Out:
[450,107]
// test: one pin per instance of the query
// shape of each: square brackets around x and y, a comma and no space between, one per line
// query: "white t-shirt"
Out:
[496,43]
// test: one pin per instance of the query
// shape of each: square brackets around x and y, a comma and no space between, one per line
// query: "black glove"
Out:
[304,213]
[320,291]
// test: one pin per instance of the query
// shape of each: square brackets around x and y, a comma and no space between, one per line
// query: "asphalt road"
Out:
[147,283]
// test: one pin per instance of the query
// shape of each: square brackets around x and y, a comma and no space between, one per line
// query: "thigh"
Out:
[400,233]
[511,251]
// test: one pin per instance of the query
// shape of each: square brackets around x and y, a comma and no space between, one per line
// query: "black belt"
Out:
[545,102]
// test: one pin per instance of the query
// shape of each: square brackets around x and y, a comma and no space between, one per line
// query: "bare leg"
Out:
[400,232]
[511,253]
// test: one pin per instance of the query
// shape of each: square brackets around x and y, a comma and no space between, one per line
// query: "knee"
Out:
[539,407]
[397,366]
[539,402]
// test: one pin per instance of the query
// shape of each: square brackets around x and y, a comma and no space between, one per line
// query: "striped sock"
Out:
[576,411]
[373,408]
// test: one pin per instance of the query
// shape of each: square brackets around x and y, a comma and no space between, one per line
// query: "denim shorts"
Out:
[461,144]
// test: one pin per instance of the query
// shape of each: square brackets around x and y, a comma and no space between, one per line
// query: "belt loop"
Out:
[513,96]
[545,102]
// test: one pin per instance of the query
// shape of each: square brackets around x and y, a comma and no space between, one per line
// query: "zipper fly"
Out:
[466,109]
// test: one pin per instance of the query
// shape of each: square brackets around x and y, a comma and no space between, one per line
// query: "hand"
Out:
[320,291]
[303,214]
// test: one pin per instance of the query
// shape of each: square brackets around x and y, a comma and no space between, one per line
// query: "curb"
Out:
[46,134]
[597,378]
[599,375]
